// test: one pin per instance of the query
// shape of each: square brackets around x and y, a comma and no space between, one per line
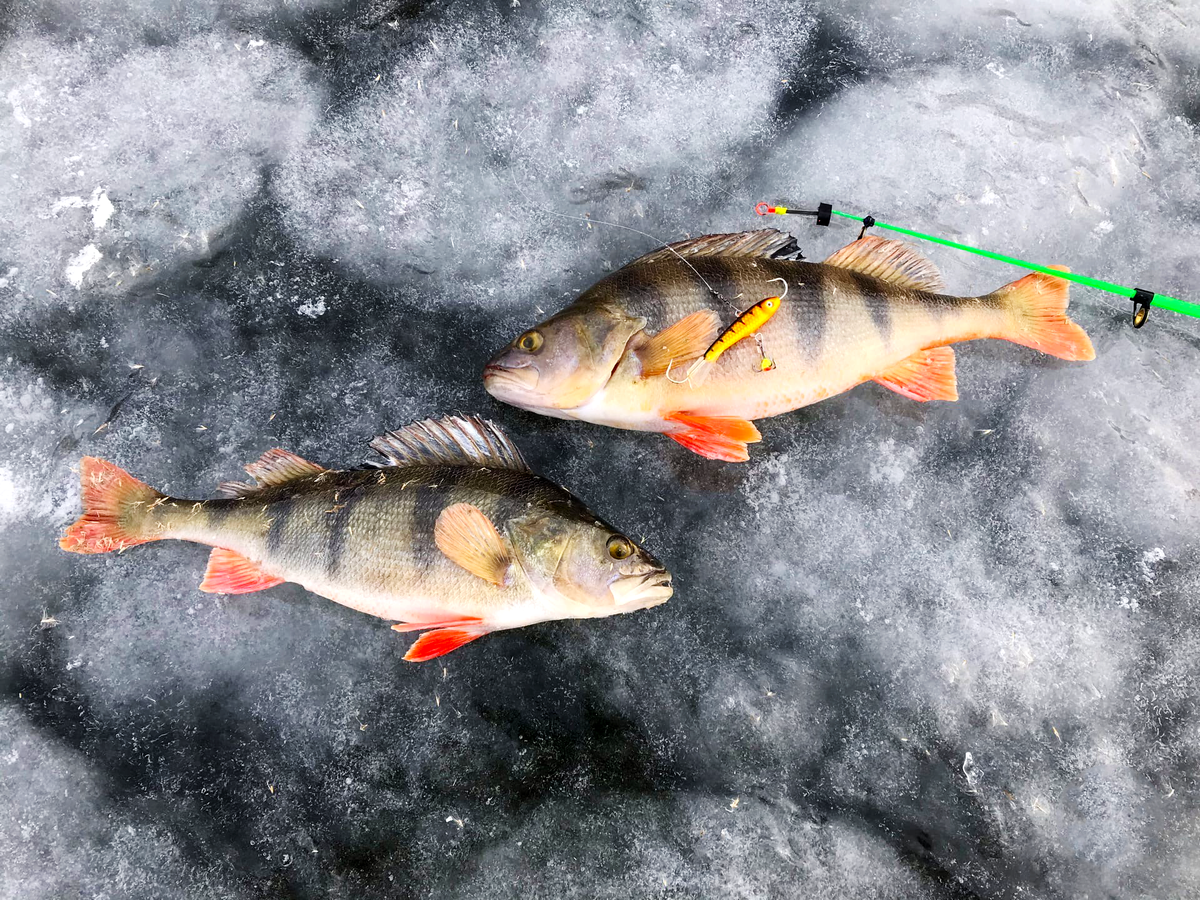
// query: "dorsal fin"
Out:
[892,261]
[274,467]
[766,243]
[278,466]
[451,441]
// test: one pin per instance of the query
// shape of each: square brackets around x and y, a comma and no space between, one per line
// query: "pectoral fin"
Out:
[678,345]
[469,538]
[926,375]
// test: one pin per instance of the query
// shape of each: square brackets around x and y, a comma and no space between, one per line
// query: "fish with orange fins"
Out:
[451,534]
[638,349]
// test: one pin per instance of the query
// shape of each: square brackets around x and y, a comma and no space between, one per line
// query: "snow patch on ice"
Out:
[81,263]
[14,99]
[102,208]
[312,308]
[66,203]
[434,141]
[147,133]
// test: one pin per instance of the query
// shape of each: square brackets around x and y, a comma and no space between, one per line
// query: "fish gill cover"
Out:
[938,650]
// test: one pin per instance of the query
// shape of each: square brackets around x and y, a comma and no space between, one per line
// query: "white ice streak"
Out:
[14,99]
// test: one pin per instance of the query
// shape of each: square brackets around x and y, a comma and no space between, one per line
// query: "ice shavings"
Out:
[312,309]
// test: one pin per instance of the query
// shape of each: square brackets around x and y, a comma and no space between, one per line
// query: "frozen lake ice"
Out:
[915,650]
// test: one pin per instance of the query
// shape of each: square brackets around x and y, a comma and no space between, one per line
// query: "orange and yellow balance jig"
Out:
[746,325]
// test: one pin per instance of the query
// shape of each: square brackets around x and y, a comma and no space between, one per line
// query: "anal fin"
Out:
[433,644]
[926,375]
[232,573]
[715,437]
[463,622]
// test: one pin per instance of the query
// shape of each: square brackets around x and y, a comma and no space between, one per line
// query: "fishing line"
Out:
[1142,298]
[548,211]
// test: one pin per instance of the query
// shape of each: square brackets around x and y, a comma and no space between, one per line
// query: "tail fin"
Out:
[115,506]
[1038,304]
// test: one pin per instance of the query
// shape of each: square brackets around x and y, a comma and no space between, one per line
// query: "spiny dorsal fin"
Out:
[451,441]
[892,261]
[766,243]
[273,468]
[678,345]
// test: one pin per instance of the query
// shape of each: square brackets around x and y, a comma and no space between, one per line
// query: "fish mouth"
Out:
[633,592]
[510,383]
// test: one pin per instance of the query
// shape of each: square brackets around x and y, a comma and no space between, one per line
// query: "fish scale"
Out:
[826,311]
[825,338]
[457,535]
[875,310]
[363,556]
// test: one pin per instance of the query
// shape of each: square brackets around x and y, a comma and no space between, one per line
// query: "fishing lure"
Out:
[744,326]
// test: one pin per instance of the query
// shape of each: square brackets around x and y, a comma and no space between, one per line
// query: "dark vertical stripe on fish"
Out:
[218,513]
[878,303]
[813,313]
[338,517]
[721,275]
[433,493]
[279,512]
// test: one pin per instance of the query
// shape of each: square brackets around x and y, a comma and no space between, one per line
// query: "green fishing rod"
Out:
[1142,299]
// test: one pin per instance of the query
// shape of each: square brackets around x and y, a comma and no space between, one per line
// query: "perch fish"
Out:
[451,534]
[873,311]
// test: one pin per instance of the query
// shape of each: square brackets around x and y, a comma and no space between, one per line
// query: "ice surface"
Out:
[461,158]
[118,166]
[943,650]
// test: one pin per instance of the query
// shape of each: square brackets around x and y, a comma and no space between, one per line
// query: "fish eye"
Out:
[619,547]
[530,341]
[770,304]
